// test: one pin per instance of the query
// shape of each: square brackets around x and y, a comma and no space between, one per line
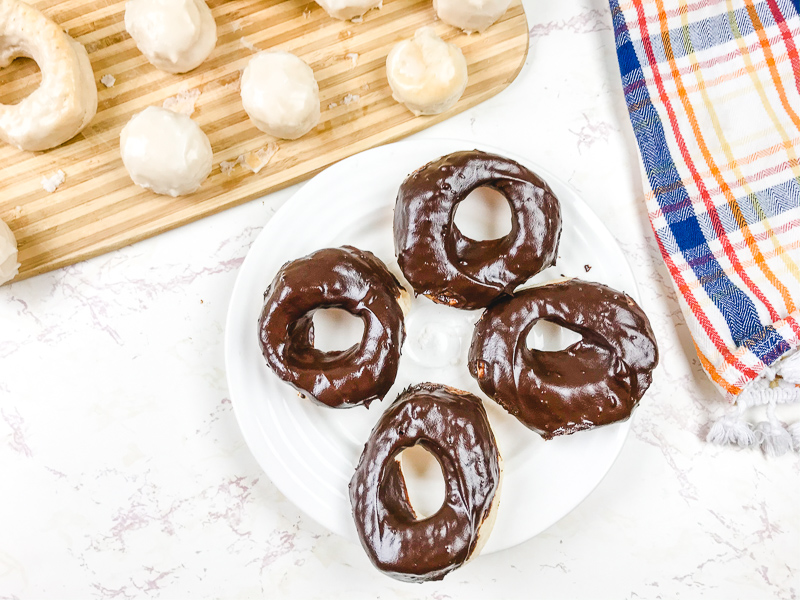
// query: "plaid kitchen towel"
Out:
[713,92]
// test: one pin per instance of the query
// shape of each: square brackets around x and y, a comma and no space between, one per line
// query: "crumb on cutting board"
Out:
[254,161]
[234,85]
[50,184]
[183,102]
[248,44]
[350,98]
[353,58]
[108,80]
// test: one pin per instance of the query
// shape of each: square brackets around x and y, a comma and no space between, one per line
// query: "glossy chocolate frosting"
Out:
[452,425]
[450,268]
[595,381]
[347,278]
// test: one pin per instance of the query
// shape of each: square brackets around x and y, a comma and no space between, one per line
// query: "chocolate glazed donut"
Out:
[350,279]
[450,268]
[451,425]
[595,381]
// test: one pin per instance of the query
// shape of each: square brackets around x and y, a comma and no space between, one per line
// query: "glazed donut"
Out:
[427,74]
[165,151]
[66,99]
[595,381]
[452,425]
[348,9]
[9,265]
[280,94]
[175,36]
[350,279]
[470,15]
[450,268]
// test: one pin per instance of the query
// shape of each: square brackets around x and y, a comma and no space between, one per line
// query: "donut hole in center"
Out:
[484,215]
[424,480]
[336,330]
[19,80]
[546,336]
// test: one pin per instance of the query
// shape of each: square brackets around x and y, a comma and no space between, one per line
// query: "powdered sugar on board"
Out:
[50,184]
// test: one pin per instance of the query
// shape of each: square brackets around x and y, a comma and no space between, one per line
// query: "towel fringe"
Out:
[773,438]
[732,429]
[794,431]
[763,395]
[789,368]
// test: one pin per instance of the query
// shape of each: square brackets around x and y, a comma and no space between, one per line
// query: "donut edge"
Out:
[487,525]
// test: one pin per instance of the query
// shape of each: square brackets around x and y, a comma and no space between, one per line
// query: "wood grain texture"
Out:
[98,208]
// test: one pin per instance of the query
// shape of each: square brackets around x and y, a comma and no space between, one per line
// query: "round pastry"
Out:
[426,73]
[470,15]
[348,9]
[595,381]
[176,36]
[66,99]
[280,94]
[165,152]
[9,267]
[451,425]
[357,282]
[450,268]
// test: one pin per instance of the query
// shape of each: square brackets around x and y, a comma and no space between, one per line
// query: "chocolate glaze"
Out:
[450,268]
[452,425]
[593,382]
[347,278]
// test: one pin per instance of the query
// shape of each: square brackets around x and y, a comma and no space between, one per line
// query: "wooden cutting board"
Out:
[98,209]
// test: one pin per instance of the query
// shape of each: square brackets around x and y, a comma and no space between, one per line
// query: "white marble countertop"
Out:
[125,474]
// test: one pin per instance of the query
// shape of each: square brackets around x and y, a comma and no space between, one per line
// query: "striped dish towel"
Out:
[714,98]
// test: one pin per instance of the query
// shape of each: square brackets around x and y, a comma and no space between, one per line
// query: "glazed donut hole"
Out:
[9,263]
[470,15]
[175,36]
[165,152]
[426,74]
[280,94]
[348,9]
[484,215]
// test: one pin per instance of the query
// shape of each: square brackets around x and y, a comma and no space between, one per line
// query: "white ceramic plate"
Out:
[309,451]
